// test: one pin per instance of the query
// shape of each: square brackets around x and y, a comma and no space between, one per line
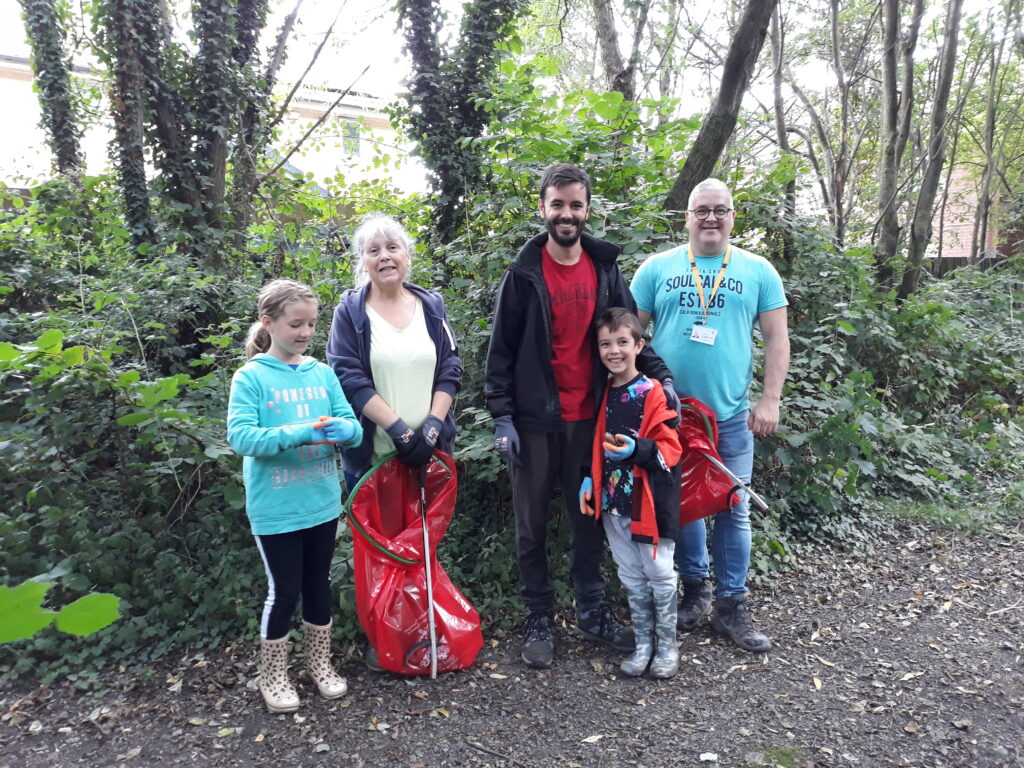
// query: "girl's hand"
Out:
[336,430]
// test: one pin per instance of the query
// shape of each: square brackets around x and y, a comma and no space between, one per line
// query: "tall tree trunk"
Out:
[130,137]
[618,76]
[52,69]
[979,237]
[841,167]
[894,132]
[254,129]
[444,94]
[782,134]
[921,228]
[740,59]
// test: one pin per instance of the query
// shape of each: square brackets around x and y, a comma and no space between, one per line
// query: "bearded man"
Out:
[542,384]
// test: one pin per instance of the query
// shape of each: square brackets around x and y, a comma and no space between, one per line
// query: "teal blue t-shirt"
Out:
[719,374]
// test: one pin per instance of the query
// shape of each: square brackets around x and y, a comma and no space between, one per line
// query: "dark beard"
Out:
[565,242]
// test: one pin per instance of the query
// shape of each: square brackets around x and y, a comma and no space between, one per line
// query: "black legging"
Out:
[297,563]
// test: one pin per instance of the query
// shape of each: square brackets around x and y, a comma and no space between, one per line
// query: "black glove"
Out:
[506,439]
[431,430]
[413,451]
[671,398]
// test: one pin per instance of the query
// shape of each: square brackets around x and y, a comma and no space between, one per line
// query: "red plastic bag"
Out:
[390,576]
[706,489]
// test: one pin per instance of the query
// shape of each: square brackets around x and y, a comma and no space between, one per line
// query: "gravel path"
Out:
[912,656]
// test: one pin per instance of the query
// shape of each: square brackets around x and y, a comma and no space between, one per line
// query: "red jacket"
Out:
[655,484]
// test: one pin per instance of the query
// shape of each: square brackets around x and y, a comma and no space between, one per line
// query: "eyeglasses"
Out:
[720,212]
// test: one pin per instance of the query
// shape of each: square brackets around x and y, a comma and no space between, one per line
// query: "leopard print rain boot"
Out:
[277,691]
[318,661]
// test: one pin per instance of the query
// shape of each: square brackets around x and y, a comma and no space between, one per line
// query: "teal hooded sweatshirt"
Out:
[290,484]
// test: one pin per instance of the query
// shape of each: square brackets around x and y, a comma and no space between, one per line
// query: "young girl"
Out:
[285,414]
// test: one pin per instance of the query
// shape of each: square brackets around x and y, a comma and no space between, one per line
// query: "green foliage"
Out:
[112,451]
[24,615]
[968,515]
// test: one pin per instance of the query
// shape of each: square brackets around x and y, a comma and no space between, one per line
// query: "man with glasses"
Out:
[704,298]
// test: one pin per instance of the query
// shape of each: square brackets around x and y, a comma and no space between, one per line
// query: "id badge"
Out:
[703,335]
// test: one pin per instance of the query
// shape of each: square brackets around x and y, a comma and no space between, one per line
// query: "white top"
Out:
[402,361]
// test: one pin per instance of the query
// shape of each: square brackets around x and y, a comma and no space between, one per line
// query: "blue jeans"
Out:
[730,537]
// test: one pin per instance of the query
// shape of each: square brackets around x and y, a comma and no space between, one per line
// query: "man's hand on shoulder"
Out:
[764,417]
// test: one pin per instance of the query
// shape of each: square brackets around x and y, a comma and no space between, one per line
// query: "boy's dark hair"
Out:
[560,174]
[614,318]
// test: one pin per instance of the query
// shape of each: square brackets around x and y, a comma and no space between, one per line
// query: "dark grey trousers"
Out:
[546,459]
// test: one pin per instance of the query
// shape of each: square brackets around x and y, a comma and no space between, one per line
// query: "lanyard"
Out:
[700,286]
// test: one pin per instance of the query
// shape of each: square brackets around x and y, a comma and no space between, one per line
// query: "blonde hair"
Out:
[371,226]
[274,299]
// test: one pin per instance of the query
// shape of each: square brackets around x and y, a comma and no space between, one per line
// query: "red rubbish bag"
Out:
[706,489]
[390,572]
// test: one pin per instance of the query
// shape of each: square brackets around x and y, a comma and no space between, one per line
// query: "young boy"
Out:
[636,460]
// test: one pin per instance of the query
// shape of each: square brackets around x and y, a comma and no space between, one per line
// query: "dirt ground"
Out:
[912,656]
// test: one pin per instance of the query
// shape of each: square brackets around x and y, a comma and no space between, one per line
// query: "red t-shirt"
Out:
[573,293]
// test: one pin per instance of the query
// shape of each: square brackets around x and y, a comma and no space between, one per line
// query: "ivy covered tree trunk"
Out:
[126,99]
[744,50]
[44,23]
[443,92]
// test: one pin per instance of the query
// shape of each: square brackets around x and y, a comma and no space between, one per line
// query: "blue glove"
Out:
[671,398]
[337,430]
[621,449]
[431,430]
[586,496]
[506,439]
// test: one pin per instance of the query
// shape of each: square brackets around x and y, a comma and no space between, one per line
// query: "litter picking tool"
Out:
[427,557]
[761,503]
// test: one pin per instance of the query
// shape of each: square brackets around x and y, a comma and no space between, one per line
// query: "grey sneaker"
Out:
[538,641]
[732,617]
[695,603]
[600,625]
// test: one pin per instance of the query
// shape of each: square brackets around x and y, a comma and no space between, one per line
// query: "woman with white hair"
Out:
[394,352]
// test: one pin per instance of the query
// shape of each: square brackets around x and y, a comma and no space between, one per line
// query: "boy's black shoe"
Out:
[538,641]
[601,625]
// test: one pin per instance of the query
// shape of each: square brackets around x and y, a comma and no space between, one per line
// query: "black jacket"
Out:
[519,378]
